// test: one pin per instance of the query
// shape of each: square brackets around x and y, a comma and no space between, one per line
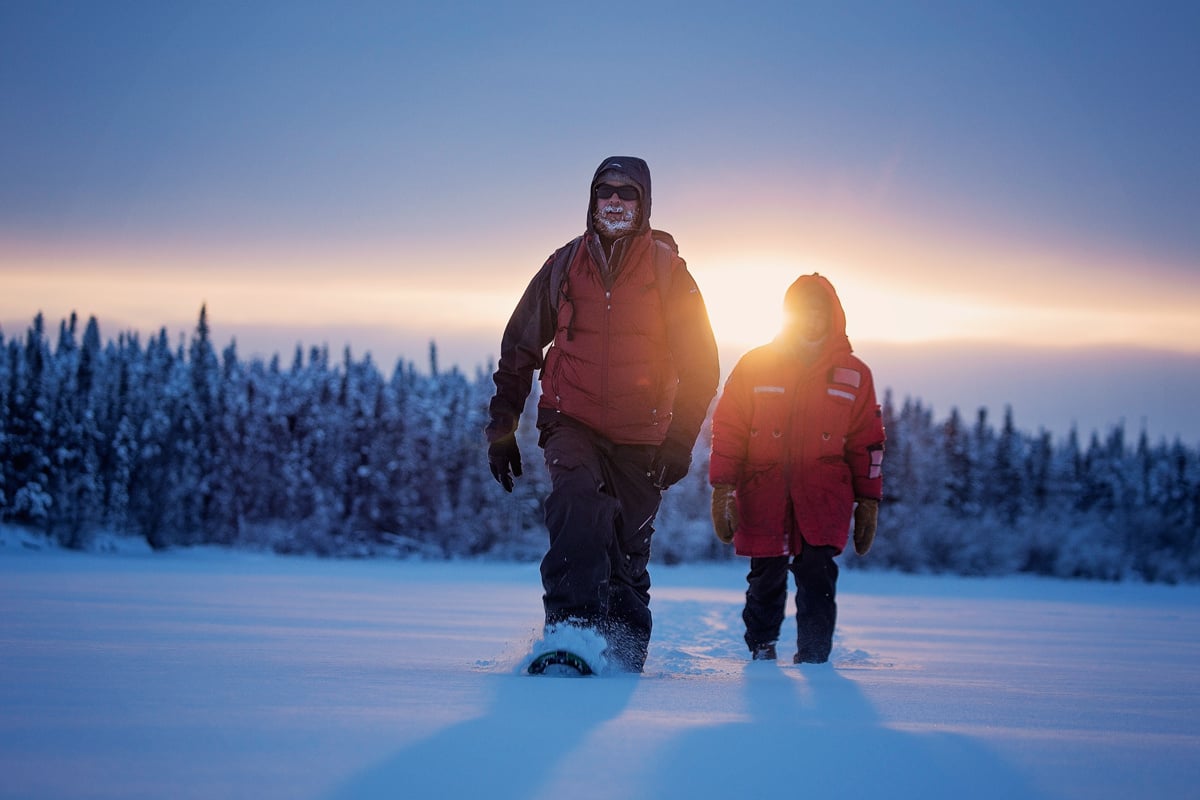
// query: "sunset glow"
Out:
[744,300]
[385,179]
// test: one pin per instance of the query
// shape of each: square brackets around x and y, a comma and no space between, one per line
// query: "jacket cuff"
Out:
[500,427]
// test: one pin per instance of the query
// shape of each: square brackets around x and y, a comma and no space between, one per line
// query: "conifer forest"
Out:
[183,445]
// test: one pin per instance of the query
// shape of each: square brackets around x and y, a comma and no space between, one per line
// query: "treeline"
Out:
[182,446]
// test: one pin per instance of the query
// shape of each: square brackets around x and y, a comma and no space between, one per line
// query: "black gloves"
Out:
[671,463]
[504,457]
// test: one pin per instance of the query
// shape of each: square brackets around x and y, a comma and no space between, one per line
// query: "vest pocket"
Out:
[550,378]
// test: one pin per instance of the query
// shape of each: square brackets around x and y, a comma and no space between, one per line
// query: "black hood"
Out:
[638,172]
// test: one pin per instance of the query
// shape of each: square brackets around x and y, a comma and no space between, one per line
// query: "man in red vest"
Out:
[625,386]
[797,449]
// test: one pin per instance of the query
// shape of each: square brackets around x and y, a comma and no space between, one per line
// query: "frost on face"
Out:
[614,219]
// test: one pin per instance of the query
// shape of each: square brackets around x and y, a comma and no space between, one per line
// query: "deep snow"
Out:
[208,674]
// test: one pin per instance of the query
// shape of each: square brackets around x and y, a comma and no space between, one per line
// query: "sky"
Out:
[201,674]
[1011,178]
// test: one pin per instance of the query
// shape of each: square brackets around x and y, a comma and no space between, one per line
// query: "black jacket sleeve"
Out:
[694,351]
[529,330]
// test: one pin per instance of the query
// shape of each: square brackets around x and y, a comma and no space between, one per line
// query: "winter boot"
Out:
[764,652]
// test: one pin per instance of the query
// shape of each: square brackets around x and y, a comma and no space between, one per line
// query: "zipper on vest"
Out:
[604,355]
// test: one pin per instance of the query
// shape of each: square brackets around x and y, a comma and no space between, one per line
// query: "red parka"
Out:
[799,442]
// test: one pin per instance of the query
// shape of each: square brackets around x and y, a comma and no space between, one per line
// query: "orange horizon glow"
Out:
[902,304]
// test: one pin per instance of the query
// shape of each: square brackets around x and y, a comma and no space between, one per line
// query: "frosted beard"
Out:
[613,222]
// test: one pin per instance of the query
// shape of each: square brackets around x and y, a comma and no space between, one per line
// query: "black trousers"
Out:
[600,516]
[816,575]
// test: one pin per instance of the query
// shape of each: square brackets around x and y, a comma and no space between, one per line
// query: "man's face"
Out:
[809,319]
[615,215]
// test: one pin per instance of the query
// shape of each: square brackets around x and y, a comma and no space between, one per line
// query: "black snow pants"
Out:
[816,575]
[600,516]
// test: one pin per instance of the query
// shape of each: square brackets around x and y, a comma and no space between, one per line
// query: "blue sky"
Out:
[379,174]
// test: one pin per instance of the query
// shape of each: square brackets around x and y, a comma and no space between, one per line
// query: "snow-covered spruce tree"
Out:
[154,480]
[1038,469]
[426,448]
[467,475]
[310,508]
[943,531]
[1007,476]
[75,482]
[117,447]
[230,481]
[398,472]
[198,409]
[916,490]
[29,434]
[1042,516]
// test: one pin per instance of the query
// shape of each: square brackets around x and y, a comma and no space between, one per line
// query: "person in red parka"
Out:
[797,451]
[626,383]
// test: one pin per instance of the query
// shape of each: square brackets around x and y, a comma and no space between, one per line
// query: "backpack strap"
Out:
[665,254]
[560,263]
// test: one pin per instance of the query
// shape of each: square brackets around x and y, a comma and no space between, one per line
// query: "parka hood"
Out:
[638,172]
[817,283]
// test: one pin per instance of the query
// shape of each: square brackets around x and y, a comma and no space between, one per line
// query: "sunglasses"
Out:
[604,191]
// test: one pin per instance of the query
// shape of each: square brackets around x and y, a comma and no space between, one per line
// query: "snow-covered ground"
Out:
[215,675]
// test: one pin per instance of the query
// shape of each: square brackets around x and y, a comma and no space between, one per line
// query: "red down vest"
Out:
[610,364]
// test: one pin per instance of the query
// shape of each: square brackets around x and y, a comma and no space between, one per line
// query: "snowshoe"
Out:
[562,663]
